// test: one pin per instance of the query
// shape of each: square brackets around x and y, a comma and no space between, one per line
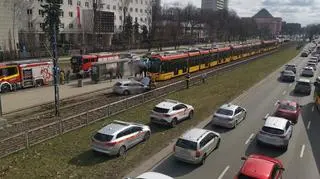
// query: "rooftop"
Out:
[263,13]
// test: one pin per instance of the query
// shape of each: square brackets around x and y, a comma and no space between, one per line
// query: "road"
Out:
[301,160]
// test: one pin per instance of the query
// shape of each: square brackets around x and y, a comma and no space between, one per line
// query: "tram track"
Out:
[46,115]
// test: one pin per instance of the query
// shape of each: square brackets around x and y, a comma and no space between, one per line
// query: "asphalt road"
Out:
[301,160]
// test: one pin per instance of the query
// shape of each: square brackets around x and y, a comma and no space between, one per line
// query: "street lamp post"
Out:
[55,71]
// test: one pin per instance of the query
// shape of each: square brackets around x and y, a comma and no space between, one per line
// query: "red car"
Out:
[260,167]
[289,110]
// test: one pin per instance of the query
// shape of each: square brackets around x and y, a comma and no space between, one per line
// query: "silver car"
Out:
[276,131]
[129,87]
[229,115]
[117,137]
[313,65]
[195,145]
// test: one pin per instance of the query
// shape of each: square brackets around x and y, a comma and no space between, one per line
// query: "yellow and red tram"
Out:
[165,67]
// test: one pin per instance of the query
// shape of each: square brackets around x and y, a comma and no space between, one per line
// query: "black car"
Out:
[304,54]
[303,86]
[288,76]
[291,68]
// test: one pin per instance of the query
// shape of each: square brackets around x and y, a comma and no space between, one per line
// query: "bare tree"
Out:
[124,6]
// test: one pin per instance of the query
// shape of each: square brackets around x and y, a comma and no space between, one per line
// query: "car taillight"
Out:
[282,136]
[110,144]
[198,153]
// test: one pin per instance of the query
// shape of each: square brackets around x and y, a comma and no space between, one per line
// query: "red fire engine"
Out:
[24,74]
[84,62]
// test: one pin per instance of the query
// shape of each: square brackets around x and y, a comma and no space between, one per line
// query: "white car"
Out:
[170,112]
[150,175]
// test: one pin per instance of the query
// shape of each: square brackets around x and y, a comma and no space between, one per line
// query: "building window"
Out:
[141,19]
[120,17]
[146,11]
[137,1]
[71,14]
[114,7]
[101,6]
[61,13]
[120,27]
[136,9]
[136,19]
[120,8]
[40,0]
[70,2]
[108,6]
[141,11]
[145,19]
[146,2]
[30,25]
[115,17]
[71,26]
[131,1]
[131,9]
[141,1]
[62,25]
[79,3]
[86,4]
[29,11]
[41,25]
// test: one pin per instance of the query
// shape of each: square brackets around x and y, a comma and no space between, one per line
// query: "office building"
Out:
[214,4]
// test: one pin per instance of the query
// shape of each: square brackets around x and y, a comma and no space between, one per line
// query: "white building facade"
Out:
[8,31]
[214,4]
[77,20]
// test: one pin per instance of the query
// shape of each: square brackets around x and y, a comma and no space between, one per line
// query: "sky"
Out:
[294,11]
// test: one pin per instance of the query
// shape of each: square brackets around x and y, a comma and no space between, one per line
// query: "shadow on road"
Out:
[90,158]
[217,128]
[281,81]
[270,151]
[310,113]
[175,168]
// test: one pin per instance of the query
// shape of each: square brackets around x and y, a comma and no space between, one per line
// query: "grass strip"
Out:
[69,156]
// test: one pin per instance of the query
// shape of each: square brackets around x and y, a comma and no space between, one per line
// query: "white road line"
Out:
[308,125]
[284,92]
[275,103]
[224,172]
[302,150]
[267,115]
[250,137]
[290,85]
[312,108]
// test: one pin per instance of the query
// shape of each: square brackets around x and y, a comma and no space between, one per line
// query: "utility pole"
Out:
[55,71]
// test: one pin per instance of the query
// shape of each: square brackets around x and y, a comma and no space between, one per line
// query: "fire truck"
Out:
[16,75]
[84,62]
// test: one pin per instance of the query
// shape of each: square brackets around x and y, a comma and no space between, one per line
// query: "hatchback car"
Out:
[229,115]
[289,110]
[307,71]
[313,65]
[117,137]
[276,131]
[170,112]
[288,76]
[291,67]
[195,145]
[303,86]
[128,87]
[150,175]
[260,167]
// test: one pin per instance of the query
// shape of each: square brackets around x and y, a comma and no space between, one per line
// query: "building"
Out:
[214,4]
[78,27]
[8,31]
[265,20]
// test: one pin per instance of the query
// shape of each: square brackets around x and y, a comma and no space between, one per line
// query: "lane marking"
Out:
[267,115]
[276,103]
[284,92]
[302,150]
[312,109]
[249,139]
[224,172]
[290,84]
[308,125]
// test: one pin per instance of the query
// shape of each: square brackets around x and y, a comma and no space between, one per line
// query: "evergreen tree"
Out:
[128,28]
[136,30]
[52,11]
[144,33]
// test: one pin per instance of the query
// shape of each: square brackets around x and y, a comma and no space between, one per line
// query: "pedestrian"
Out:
[68,76]
[203,77]
[188,79]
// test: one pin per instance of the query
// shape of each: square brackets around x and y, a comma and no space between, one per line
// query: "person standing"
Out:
[188,79]
[68,76]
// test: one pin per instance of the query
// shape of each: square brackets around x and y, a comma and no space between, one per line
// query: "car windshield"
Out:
[290,68]
[288,73]
[225,112]
[186,144]
[103,137]
[287,107]
[303,84]
[160,110]
[272,130]
[243,176]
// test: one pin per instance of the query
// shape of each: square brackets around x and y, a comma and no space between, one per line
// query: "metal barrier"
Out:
[29,137]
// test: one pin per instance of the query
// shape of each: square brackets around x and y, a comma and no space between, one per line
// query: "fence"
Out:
[40,134]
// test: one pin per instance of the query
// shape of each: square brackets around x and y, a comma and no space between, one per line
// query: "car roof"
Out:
[311,63]
[304,80]
[291,103]
[195,134]
[153,175]
[291,65]
[276,122]
[288,71]
[257,167]
[229,106]
[308,68]
[114,127]
[168,104]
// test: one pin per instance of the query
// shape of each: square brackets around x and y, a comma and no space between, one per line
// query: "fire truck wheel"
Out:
[5,88]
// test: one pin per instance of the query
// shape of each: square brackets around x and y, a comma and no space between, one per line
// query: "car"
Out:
[150,175]
[170,112]
[289,110]
[128,87]
[229,115]
[291,67]
[118,136]
[288,76]
[307,72]
[276,131]
[260,167]
[318,79]
[304,54]
[195,145]
[313,65]
[314,60]
[303,86]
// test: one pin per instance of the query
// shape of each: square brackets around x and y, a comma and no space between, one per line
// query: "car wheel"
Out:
[174,122]
[245,115]
[203,159]
[235,124]
[285,148]
[122,151]
[218,144]
[146,136]
[126,92]
[5,88]
[190,116]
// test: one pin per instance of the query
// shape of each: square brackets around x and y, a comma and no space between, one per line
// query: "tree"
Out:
[124,6]
[136,33]
[52,11]
[144,33]
[128,29]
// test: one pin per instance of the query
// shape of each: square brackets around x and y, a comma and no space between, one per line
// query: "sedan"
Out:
[307,72]
[229,116]
[129,87]
[313,65]
[289,110]
[288,76]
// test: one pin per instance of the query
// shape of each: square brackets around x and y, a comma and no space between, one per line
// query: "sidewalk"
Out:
[36,96]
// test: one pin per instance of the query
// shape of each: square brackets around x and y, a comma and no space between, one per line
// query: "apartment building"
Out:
[8,32]
[77,21]
[214,4]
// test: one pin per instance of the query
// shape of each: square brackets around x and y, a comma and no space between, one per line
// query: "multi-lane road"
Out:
[301,160]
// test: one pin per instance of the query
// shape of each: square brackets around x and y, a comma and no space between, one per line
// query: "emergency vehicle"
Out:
[17,75]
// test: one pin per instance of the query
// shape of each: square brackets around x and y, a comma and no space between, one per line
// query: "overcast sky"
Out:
[300,11]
